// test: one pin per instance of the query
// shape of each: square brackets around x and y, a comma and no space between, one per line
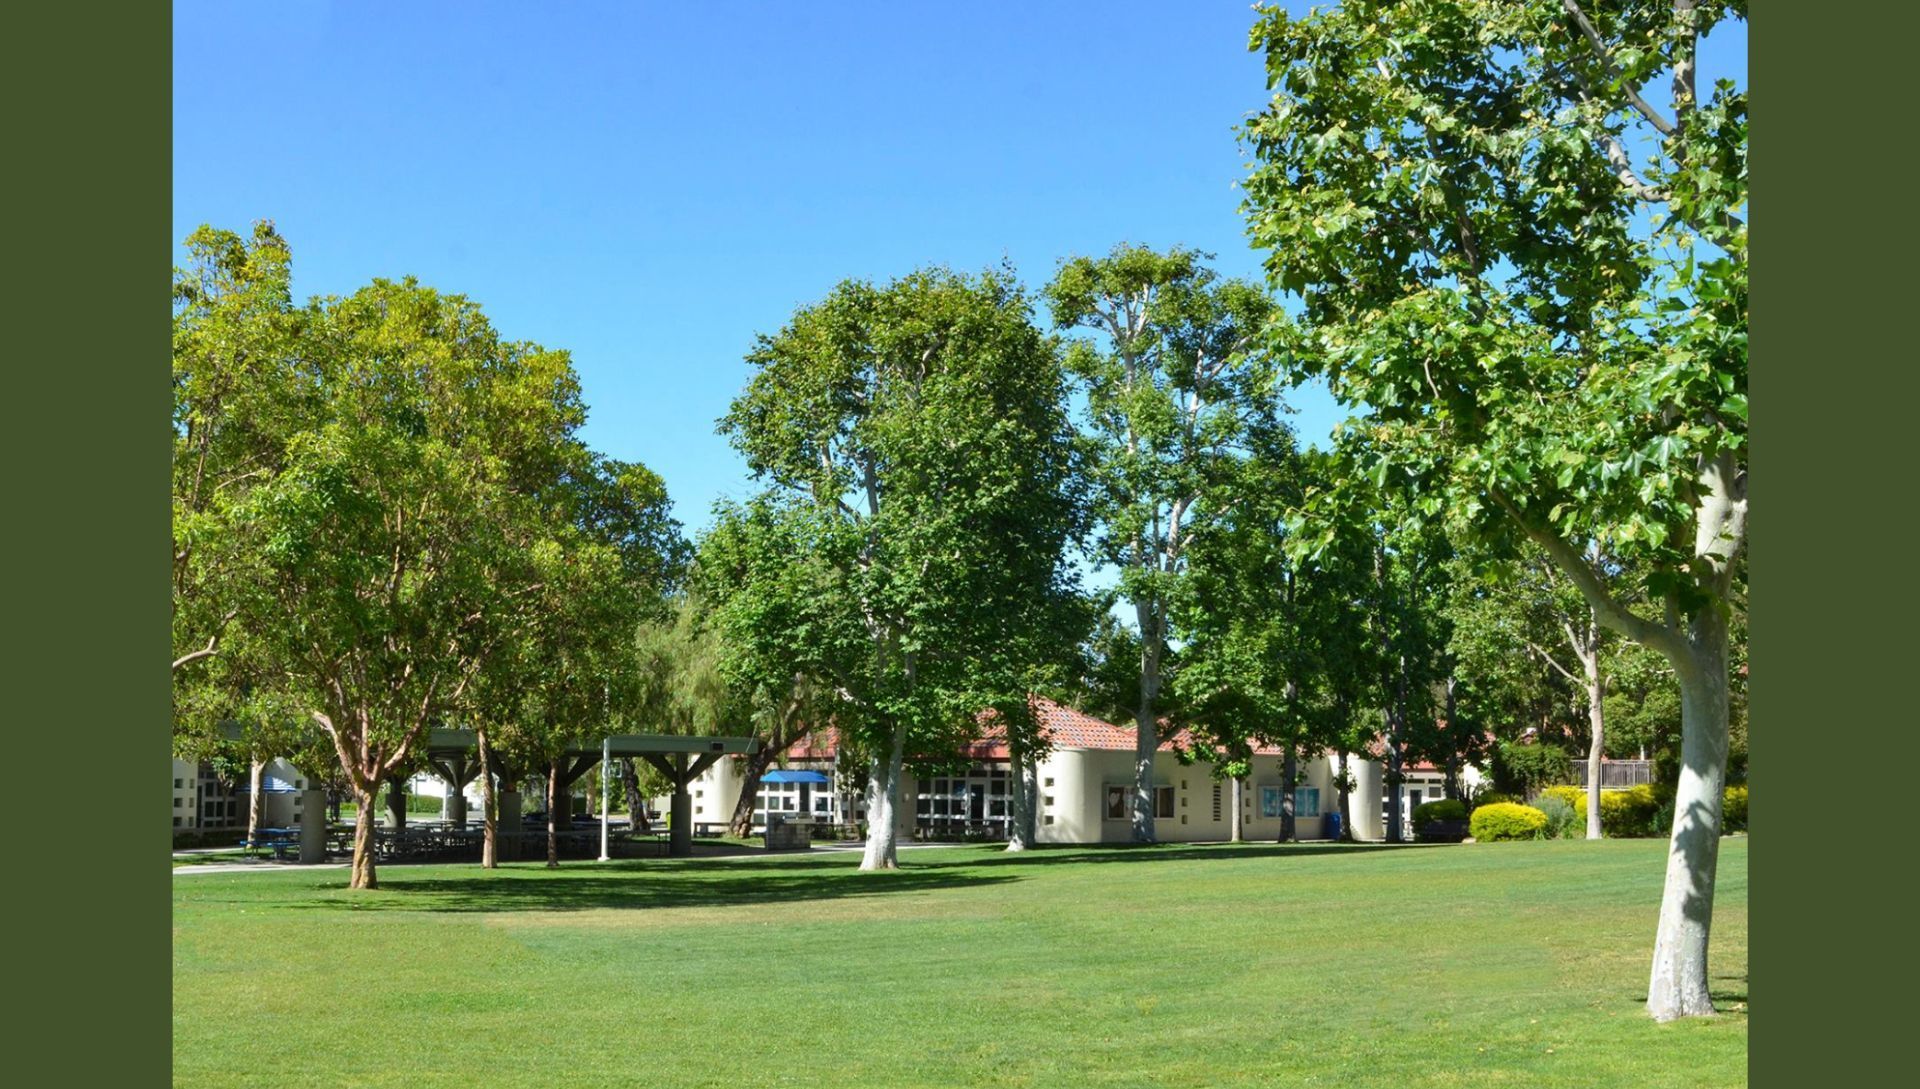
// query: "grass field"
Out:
[1478,965]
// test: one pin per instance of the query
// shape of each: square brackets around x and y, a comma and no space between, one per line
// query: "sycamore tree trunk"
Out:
[636,805]
[554,793]
[1391,781]
[1030,786]
[1234,832]
[1450,778]
[1021,825]
[256,799]
[1680,986]
[489,806]
[1596,720]
[1289,774]
[757,763]
[364,875]
[1346,800]
[883,791]
[1146,725]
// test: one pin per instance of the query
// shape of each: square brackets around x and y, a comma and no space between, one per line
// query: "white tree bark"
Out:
[1235,831]
[1022,829]
[1680,986]
[1596,750]
[883,792]
[1146,727]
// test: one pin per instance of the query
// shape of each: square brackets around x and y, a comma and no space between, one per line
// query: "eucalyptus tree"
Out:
[1526,257]
[918,461]
[383,539]
[1171,368]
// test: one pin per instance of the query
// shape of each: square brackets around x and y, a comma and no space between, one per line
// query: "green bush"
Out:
[1563,821]
[1445,809]
[1639,812]
[1525,769]
[1733,809]
[1506,820]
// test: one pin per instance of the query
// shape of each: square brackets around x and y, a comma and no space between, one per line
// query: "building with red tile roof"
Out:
[1085,787]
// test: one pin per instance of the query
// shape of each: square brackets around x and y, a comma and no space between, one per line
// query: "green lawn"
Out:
[1476,965]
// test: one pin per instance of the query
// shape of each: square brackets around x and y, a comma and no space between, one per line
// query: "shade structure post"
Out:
[606,760]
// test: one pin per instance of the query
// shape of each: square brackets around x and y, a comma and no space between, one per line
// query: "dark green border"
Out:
[1832,643]
[86,390]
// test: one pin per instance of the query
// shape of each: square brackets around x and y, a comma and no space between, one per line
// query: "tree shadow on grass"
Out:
[1161,852]
[628,888]
[1729,997]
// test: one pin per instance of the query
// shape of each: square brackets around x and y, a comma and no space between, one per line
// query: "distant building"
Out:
[1085,789]
[201,802]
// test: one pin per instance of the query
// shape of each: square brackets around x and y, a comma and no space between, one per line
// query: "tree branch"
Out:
[1592,34]
[1666,640]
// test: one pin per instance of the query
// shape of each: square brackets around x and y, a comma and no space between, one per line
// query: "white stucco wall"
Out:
[1072,808]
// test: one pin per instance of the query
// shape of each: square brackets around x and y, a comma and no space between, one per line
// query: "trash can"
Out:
[1333,825]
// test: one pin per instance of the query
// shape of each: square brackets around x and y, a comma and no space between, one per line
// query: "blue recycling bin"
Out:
[1333,825]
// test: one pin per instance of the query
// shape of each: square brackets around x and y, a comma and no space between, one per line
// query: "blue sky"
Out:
[649,185]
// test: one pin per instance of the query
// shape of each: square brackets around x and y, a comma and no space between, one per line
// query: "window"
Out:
[1270,799]
[1049,780]
[1216,801]
[1306,802]
[1120,802]
[179,784]
[179,803]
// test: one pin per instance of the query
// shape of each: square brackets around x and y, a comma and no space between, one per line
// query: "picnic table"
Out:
[281,841]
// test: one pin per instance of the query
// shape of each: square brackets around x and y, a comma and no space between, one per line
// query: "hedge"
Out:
[1733,809]
[1442,809]
[1506,821]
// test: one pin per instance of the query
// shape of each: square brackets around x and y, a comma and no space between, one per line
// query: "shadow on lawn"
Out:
[1726,998]
[643,884]
[627,888]
[1160,852]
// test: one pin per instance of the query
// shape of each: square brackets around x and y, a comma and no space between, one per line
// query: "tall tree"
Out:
[1532,271]
[1169,373]
[916,450]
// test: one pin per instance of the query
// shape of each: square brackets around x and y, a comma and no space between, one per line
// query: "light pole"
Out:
[606,758]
